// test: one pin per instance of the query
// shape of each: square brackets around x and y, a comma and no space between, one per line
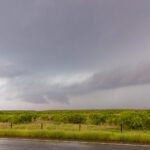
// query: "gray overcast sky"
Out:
[74,54]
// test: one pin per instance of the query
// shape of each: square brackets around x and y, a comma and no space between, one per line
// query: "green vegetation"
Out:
[101,136]
[98,119]
[106,125]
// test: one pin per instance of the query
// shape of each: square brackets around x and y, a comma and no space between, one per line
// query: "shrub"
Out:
[22,118]
[69,118]
[134,120]
[76,118]
[45,117]
[5,118]
[97,119]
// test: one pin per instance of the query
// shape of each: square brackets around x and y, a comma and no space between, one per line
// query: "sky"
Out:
[74,54]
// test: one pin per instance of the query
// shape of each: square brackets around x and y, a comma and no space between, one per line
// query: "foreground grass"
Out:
[95,136]
[71,131]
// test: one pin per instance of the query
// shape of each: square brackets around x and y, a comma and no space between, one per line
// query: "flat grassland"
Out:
[130,126]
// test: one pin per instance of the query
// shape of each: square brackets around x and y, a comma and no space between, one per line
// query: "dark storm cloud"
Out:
[42,35]
[117,78]
[40,92]
[47,38]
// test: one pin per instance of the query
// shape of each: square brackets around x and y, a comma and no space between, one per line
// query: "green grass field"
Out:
[127,137]
[104,125]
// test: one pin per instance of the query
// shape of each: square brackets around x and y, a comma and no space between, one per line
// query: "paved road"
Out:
[13,144]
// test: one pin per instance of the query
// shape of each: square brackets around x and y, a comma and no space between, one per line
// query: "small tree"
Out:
[133,119]
[22,118]
[98,119]
[76,118]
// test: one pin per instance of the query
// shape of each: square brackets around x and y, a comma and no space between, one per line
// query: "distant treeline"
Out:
[130,119]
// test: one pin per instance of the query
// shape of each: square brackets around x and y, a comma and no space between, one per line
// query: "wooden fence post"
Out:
[121,128]
[11,125]
[79,126]
[41,125]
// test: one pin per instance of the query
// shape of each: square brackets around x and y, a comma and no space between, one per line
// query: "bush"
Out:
[71,118]
[76,118]
[55,118]
[98,119]
[5,118]
[134,120]
[22,118]
[45,117]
